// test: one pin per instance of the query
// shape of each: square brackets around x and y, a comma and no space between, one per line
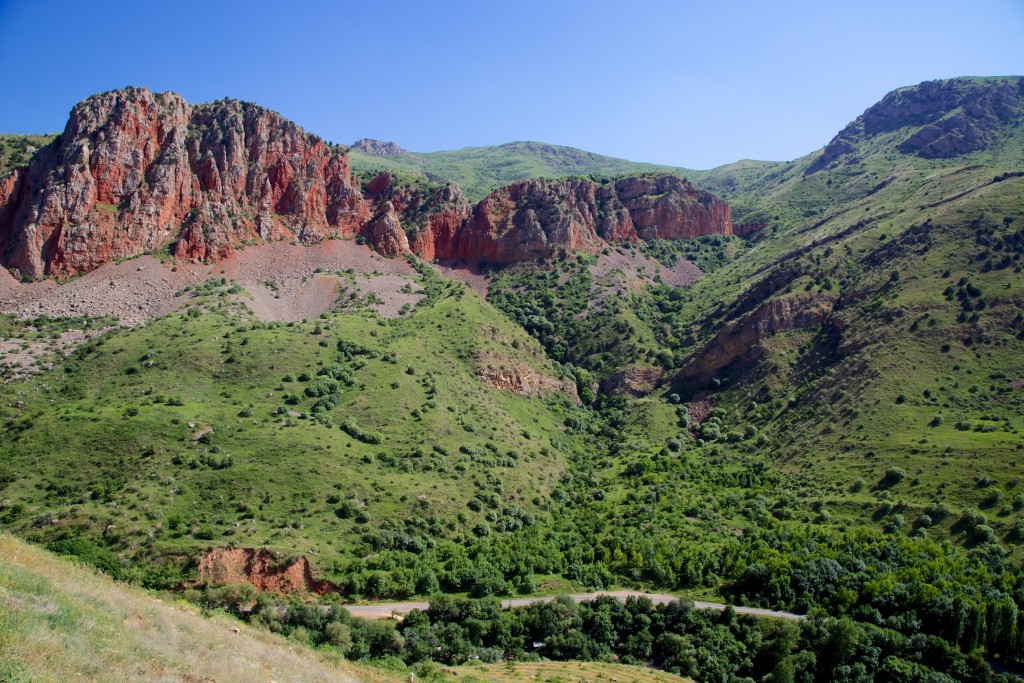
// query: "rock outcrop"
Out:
[136,171]
[739,340]
[514,376]
[943,118]
[261,569]
[447,211]
[636,382]
[378,148]
[545,218]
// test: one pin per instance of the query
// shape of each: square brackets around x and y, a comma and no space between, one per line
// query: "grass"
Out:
[16,150]
[563,672]
[60,621]
[481,170]
[127,462]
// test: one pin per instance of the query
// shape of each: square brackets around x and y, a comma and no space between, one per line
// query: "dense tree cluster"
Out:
[705,645]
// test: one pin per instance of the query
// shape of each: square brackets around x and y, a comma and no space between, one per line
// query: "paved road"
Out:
[387,609]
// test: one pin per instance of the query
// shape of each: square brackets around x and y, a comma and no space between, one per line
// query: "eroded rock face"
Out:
[516,377]
[636,382]
[739,339]
[946,118]
[385,233]
[406,220]
[545,218]
[447,211]
[136,170]
[261,569]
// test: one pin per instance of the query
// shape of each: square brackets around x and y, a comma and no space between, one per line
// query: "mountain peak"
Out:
[943,118]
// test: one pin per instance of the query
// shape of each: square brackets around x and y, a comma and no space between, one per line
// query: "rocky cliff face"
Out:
[545,218]
[944,118]
[261,569]
[636,382]
[739,340]
[136,171]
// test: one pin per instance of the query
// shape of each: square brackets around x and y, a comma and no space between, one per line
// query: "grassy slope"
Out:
[12,149]
[480,170]
[833,394]
[59,621]
[118,457]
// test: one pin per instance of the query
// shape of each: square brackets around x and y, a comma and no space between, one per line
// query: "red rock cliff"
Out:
[136,171]
[544,218]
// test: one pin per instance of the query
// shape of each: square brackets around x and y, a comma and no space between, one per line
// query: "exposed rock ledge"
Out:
[635,382]
[517,377]
[262,569]
[739,340]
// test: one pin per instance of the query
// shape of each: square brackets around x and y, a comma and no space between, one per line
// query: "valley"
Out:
[234,352]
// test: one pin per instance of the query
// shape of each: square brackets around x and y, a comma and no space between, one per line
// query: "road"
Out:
[378,610]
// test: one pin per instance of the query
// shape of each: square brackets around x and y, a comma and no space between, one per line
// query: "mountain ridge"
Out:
[135,172]
[481,170]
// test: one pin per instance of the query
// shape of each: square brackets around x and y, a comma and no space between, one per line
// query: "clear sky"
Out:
[682,83]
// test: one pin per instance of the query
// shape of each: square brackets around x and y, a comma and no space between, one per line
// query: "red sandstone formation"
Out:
[136,171]
[261,569]
[447,211]
[545,218]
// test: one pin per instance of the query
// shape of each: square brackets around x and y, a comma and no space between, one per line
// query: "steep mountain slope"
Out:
[481,170]
[874,331]
[868,340]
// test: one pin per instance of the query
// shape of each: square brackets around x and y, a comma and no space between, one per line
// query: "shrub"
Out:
[893,476]
[356,432]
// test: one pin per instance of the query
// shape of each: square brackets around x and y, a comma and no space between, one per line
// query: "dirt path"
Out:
[386,609]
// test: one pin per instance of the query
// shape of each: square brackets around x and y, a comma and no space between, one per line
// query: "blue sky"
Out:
[683,83]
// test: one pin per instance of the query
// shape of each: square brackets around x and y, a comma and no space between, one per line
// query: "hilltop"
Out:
[481,170]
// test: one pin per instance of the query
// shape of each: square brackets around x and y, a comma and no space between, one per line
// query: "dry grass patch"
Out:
[60,621]
[565,672]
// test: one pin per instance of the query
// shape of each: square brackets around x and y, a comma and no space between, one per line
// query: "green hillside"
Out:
[335,438]
[829,421]
[16,150]
[480,170]
[885,384]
